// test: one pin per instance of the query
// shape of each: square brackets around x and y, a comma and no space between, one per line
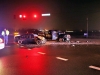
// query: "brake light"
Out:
[1,40]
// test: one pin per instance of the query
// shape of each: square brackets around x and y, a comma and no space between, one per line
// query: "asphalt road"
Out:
[50,60]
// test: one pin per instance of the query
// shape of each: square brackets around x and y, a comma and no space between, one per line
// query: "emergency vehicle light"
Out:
[1,40]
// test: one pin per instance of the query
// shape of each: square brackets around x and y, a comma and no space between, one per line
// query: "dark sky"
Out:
[65,14]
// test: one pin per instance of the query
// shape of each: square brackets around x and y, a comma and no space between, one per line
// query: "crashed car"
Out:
[62,38]
[30,39]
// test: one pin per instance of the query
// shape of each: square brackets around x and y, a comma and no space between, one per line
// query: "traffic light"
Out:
[14,16]
[22,17]
[35,16]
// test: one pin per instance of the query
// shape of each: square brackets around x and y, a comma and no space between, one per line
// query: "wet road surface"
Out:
[50,60]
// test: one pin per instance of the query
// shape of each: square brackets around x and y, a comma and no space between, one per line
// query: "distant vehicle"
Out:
[2,44]
[30,39]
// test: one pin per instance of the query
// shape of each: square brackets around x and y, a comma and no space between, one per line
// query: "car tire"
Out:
[44,41]
[60,40]
[19,41]
[38,42]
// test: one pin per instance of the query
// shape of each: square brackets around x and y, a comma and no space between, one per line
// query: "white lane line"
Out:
[41,53]
[7,46]
[64,59]
[29,49]
[94,67]
[21,46]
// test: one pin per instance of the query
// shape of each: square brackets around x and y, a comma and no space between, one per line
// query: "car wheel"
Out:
[60,39]
[44,41]
[38,42]
[20,42]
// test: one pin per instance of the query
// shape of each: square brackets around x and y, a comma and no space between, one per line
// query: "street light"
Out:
[87,27]
[47,14]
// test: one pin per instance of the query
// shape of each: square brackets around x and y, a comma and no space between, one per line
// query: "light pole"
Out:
[87,27]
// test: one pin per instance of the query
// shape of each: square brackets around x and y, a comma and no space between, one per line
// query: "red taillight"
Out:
[1,40]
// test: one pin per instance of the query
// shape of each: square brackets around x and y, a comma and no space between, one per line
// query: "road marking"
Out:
[41,53]
[64,59]
[94,67]
[21,46]
[29,49]
[73,45]
[7,46]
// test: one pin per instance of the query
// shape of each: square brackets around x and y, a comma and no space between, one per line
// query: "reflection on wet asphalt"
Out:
[50,60]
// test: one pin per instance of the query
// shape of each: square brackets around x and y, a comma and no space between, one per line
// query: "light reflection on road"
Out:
[32,61]
[49,60]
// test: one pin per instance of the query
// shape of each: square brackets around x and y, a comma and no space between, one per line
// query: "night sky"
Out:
[65,14]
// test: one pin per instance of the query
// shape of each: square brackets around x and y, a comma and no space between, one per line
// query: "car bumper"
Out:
[2,45]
